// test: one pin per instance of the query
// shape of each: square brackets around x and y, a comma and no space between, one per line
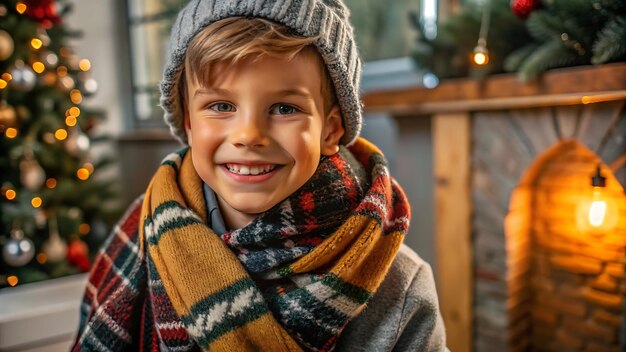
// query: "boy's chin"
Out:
[251,208]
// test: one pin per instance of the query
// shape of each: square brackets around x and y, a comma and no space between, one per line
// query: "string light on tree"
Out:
[85,65]
[82,174]
[11,133]
[480,55]
[60,134]
[51,183]
[21,7]
[10,194]
[36,43]
[36,202]
[13,280]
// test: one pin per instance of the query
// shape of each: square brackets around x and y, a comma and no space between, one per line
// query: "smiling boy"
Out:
[276,228]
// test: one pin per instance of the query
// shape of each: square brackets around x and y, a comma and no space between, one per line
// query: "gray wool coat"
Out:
[402,316]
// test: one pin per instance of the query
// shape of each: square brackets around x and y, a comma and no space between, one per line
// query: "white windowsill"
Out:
[42,314]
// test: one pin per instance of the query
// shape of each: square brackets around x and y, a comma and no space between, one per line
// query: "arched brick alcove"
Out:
[565,286]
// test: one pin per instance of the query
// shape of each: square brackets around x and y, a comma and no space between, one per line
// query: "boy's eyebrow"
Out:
[211,90]
[297,92]
[286,92]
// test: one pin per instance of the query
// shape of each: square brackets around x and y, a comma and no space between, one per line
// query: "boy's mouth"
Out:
[251,169]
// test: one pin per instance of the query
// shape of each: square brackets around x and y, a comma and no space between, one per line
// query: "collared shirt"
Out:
[216,221]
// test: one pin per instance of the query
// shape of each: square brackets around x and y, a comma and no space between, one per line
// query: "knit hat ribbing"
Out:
[308,18]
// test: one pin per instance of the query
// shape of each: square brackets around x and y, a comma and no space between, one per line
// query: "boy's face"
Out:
[258,131]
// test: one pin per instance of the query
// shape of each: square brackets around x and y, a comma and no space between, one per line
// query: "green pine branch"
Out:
[549,55]
[611,42]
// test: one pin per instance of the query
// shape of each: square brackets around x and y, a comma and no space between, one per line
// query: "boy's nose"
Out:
[249,132]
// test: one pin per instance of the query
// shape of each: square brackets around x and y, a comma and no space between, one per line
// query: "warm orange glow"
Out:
[62,71]
[84,229]
[21,7]
[12,280]
[82,174]
[74,111]
[10,132]
[60,134]
[481,58]
[6,76]
[36,43]
[42,258]
[10,194]
[84,65]
[70,120]
[585,100]
[39,67]
[49,78]
[48,137]
[75,96]
[65,51]
[51,183]
[597,213]
[36,202]
[3,84]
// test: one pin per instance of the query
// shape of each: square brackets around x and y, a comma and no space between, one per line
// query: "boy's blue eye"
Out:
[283,109]
[222,107]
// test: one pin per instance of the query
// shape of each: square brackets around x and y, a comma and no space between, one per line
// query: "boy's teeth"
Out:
[250,170]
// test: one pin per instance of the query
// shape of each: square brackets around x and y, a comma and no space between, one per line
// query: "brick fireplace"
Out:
[541,283]
[565,287]
[512,162]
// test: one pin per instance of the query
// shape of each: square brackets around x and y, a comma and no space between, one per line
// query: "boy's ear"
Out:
[332,132]
[187,121]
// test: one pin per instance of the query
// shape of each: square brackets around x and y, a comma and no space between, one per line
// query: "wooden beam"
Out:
[568,81]
[409,108]
[451,144]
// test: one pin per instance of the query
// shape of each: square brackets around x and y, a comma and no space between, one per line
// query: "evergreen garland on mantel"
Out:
[546,34]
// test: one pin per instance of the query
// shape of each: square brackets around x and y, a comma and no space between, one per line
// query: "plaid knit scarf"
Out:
[291,279]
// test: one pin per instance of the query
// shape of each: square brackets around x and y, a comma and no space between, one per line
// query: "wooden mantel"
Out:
[567,86]
[450,106]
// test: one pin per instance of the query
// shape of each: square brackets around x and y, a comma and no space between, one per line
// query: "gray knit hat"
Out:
[308,18]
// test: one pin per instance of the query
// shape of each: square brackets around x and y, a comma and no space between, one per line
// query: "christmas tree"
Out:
[53,210]
[527,37]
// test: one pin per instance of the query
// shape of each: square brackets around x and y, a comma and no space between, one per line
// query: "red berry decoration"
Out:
[78,254]
[523,8]
[43,11]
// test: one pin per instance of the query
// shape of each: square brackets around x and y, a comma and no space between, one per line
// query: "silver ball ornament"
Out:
[23,78]
[18,251]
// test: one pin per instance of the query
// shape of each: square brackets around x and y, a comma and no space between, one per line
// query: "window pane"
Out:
[149,45]
[143,8]
[382,28]
[147,107]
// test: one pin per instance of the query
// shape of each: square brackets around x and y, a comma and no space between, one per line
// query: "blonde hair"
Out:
[237,38]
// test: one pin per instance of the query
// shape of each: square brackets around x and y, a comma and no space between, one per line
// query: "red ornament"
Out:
[43,11]
[78,255]
[523,8]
